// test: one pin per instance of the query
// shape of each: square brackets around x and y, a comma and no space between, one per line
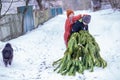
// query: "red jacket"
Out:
[68,27]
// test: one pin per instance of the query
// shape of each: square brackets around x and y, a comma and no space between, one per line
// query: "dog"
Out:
[7,54]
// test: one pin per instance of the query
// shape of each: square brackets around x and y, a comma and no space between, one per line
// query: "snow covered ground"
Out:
[35,51]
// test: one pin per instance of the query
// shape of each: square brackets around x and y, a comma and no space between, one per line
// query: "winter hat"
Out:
[86,18]
[68,12]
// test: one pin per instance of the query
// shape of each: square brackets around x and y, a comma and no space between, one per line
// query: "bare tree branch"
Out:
[6,10]
[115,4]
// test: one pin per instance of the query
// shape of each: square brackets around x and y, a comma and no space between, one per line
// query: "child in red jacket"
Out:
[69,22]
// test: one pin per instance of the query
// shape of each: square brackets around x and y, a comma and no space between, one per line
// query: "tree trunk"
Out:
[0,7]
[39,4]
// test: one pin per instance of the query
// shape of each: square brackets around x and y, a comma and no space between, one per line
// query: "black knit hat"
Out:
[86,18]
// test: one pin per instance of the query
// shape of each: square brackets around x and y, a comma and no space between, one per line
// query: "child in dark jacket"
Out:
[71,19]
[81,24]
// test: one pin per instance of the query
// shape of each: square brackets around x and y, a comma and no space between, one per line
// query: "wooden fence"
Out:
[11,25]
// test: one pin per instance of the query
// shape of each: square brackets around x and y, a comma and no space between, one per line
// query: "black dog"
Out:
[7,54]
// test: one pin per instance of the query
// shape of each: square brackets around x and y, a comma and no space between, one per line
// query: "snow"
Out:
[35,51]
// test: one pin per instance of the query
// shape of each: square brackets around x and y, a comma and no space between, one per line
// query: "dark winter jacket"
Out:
[78,25]
[68,27]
